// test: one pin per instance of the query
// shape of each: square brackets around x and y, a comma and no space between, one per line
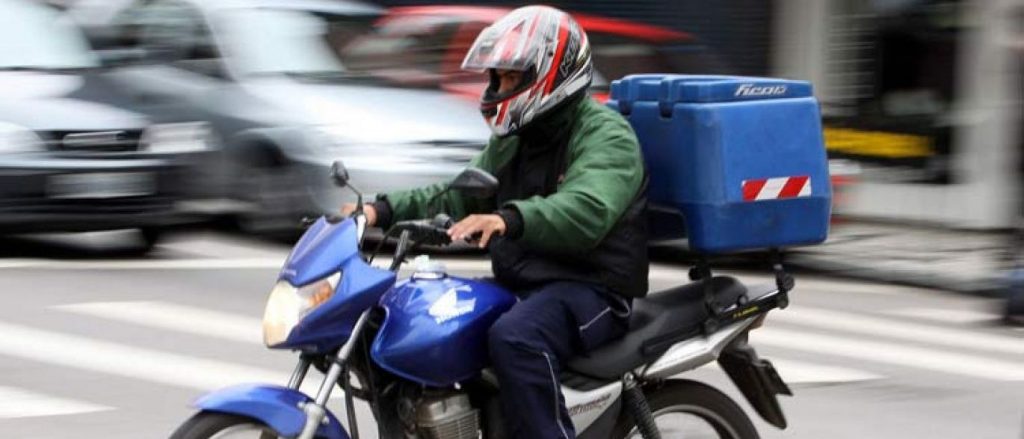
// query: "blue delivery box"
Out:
[741,158]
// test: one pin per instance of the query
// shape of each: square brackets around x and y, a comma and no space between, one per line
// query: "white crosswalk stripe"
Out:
[173,317]
[887,328]
[78,352]
[862,340]
[939,315]
[222,247]
[802,372]
[237,328]
[891,353]
[244,329]
[21,403]
[145,345]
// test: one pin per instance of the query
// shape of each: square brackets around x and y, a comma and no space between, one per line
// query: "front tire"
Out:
[693,404]
[213,425]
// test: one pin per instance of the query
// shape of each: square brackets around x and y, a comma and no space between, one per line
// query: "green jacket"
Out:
[604,174]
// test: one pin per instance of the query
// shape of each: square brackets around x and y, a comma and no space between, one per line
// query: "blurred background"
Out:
[251,99]
[193,135]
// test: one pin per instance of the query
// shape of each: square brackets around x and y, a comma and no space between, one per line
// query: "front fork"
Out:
[316,410]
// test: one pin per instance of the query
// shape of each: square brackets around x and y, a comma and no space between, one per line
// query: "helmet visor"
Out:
[513,42]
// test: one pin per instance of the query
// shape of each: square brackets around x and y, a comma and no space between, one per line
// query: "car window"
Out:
[175,32]
[34,36]
[422,49]
[291,41]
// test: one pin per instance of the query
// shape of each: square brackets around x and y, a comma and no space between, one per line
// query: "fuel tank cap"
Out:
[425,268]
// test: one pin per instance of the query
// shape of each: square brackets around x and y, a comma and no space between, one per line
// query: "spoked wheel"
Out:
[209,425]
[691,410]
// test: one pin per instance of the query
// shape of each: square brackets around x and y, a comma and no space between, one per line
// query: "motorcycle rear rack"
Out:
[719,317]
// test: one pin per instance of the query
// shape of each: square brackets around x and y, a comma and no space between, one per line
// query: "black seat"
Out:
[659,321]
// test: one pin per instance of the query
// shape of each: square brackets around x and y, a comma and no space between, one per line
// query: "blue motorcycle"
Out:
[415,349]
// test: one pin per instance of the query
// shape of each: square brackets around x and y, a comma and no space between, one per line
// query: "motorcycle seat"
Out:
[658,321]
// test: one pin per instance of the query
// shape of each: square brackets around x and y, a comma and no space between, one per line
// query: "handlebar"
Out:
[414,233]
[433,232]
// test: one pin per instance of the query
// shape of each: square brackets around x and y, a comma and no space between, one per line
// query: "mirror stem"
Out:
[400,250]
[359,198]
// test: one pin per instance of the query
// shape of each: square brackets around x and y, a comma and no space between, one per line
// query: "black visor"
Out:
[491,96]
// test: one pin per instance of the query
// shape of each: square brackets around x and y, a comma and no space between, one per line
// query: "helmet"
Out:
[551,50]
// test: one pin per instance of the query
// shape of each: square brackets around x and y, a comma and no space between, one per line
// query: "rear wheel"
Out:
[691,410]
[213,425]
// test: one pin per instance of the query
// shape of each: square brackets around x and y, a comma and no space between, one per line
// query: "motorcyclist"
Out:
[566,230]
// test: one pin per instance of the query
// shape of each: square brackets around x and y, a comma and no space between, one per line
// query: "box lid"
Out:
[668,89]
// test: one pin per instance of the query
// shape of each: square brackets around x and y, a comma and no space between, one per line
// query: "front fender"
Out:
[278,407]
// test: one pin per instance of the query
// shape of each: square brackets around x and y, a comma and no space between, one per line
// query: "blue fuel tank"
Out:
[435,330]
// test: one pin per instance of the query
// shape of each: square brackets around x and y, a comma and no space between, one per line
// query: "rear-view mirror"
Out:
[339,174]
[476,183]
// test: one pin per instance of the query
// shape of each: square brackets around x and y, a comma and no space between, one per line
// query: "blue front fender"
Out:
[278,407]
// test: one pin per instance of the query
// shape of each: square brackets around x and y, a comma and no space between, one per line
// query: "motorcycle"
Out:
[415,349]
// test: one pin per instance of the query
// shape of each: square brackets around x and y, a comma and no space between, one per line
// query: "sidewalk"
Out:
[955,260]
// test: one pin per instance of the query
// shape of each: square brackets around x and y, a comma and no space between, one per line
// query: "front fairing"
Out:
[325,249]
[435,330]
[321,251]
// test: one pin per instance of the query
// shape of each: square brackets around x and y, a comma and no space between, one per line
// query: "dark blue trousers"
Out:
[530,343]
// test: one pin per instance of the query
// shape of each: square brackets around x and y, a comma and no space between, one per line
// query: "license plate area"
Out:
[100,185]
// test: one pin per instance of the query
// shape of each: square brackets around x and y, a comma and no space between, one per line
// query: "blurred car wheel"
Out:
[150,237]
[268,186]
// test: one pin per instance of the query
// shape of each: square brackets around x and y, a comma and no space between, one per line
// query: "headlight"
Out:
[288,305]
[16,138]
[176,138]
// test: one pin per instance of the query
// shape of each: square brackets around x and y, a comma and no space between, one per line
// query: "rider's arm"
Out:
[413,204]
[605,173]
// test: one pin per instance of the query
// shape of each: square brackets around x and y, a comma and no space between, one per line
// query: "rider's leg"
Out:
[529,344]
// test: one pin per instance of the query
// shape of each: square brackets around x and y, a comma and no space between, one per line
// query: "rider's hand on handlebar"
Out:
[484,225]
[368,210]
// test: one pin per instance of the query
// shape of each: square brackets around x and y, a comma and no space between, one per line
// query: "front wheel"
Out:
[689,409]
[213,425]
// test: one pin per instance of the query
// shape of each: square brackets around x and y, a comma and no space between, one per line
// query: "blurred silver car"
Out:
[70,163]
[269,77]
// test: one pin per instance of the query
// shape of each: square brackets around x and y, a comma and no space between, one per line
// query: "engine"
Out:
[447,416]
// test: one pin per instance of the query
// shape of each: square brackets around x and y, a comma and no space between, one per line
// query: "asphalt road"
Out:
[99,342]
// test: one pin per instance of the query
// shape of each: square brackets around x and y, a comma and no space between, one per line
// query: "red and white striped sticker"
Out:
[777,188]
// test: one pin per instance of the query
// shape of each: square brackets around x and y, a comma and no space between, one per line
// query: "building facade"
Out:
[925,96]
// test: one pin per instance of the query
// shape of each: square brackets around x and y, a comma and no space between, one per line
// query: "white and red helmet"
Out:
[551,50]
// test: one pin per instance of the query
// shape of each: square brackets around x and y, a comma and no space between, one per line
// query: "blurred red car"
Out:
[424,46]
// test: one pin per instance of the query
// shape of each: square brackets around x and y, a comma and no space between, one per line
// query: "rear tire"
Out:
[712,406]
[207,425]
